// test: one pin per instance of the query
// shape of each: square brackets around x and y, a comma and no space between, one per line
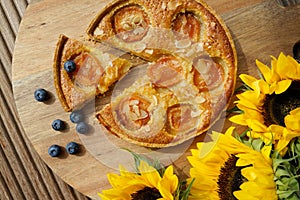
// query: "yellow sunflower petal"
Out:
[258,176]
[266,137]
[170,181]
[282,86]
[272,88]
[266,151]
[287,67]
[250,100]
[265,70]
[281,145]
[230,130]
[295,111]
[241,195]
[292,121]
[276,129]
[164,191]
[247,79]
[238,119]
[254,190]
[150,174]
[283,142]
[251,113]
[114,180]
[256,126]
[282,66]
[243,161]
[294,75]
[261,86]
[275,75]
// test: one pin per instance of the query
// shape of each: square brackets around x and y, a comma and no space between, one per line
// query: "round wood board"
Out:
[259,29]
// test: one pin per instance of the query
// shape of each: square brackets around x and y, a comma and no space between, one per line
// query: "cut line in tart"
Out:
[93,74]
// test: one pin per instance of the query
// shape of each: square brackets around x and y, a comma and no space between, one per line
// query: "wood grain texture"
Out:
[259,28]
[23,175]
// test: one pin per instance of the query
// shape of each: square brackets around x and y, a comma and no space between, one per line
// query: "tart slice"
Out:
[83,71]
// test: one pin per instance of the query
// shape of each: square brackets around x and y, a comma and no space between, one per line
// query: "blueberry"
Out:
[70,66]
[82,127]
[72,148]
[54,150]
[76,117]
[41,95]
[58,125]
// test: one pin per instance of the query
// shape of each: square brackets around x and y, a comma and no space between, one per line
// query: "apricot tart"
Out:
[190,76]
[83,71]
[189,67]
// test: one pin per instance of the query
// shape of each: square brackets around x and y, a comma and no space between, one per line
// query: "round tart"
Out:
[192,59]
[189,62]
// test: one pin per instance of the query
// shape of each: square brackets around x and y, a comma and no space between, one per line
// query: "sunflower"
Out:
[146,183]
[228,169]
[269,107]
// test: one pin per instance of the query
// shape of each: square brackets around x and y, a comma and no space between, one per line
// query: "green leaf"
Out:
[138,158]
[282,172]
[277,162]
[234,109]
[257,144]
[242,88]
[185,193]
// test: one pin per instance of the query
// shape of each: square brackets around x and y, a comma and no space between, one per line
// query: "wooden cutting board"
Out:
[259,28]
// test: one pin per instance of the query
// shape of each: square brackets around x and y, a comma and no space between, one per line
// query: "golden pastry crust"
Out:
[156,30]
[95,72]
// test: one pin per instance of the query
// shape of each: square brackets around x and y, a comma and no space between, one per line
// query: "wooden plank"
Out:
[11,14]
[5,57]
[6,31]
[20,6]
[5,191]
[12,169]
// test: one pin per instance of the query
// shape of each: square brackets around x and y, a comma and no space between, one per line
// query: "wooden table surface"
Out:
[23,174]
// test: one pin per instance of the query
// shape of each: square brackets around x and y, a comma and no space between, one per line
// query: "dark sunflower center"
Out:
[276,107]
[146,194]
[230,179]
